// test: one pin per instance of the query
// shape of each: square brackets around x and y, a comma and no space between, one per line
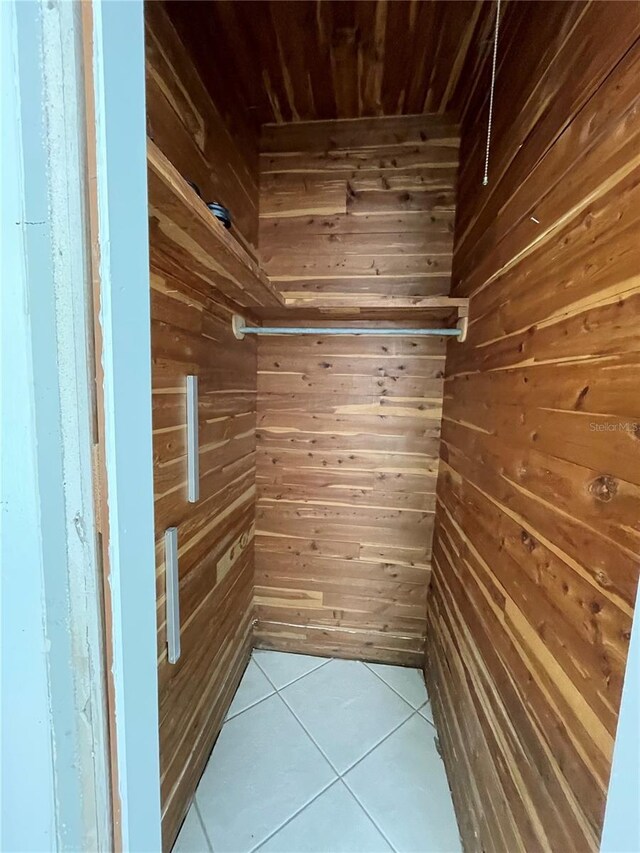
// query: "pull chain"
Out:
[485,179]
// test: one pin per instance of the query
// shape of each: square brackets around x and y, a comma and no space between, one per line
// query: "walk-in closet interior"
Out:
[432,458]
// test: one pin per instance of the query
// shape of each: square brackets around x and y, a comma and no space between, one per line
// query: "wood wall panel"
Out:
[200,275]
[358,211]
[537,544]
[216,151]
[185,232]
[347,456]
[191,334]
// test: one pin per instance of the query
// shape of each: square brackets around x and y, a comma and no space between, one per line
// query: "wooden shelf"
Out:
[183,228]
[365,303]
[440,317]
[185,232]
[434,311]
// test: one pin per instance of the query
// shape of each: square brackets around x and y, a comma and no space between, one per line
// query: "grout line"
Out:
[311,738]
[249,707]
[204,828]
[415,710]
[295,680]
[275,689]
[353,793]
[404,699]
[426,719]
[374,822]
[348,790]
[380,742]
[339,774]
[324,663]
[296,813]
[371,818]
[368,752]
[308,734]
[326,787]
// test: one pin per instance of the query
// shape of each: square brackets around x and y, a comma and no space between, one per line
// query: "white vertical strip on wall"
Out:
[123,226]
[621,830]
[172,587]
[193,468]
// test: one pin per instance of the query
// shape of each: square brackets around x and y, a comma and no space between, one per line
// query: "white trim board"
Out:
[121,184]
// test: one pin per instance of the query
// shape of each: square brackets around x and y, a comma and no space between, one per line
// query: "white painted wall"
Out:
[28,783]
[621,833]
[54,755]
[27,738]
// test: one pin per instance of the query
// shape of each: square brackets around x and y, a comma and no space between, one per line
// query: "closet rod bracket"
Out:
[463,323]
[237,325]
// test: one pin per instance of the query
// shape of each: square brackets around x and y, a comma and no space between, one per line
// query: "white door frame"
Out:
[118,69]
[80,757]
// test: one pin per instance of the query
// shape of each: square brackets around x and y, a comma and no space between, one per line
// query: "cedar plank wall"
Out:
[537,538]
[357,211]
[348,435]
[206,148]
[348,427]
[191,334]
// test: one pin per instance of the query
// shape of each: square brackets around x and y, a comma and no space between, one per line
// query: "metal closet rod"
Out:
[332,330]
[240,329]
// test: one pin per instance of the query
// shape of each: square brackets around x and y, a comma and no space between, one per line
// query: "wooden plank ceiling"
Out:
[327,59]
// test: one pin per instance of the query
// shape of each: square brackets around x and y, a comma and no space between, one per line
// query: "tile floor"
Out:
[323,756]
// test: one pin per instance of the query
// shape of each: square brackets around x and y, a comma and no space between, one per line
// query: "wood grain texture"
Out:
[200,276]
[347,444]
[359,213]
[185,231]
[537,542]
[217,151]
[406,313]
[191,335]
[536,548]
[330,59]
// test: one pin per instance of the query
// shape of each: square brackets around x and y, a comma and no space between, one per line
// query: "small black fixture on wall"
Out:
[219,210]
